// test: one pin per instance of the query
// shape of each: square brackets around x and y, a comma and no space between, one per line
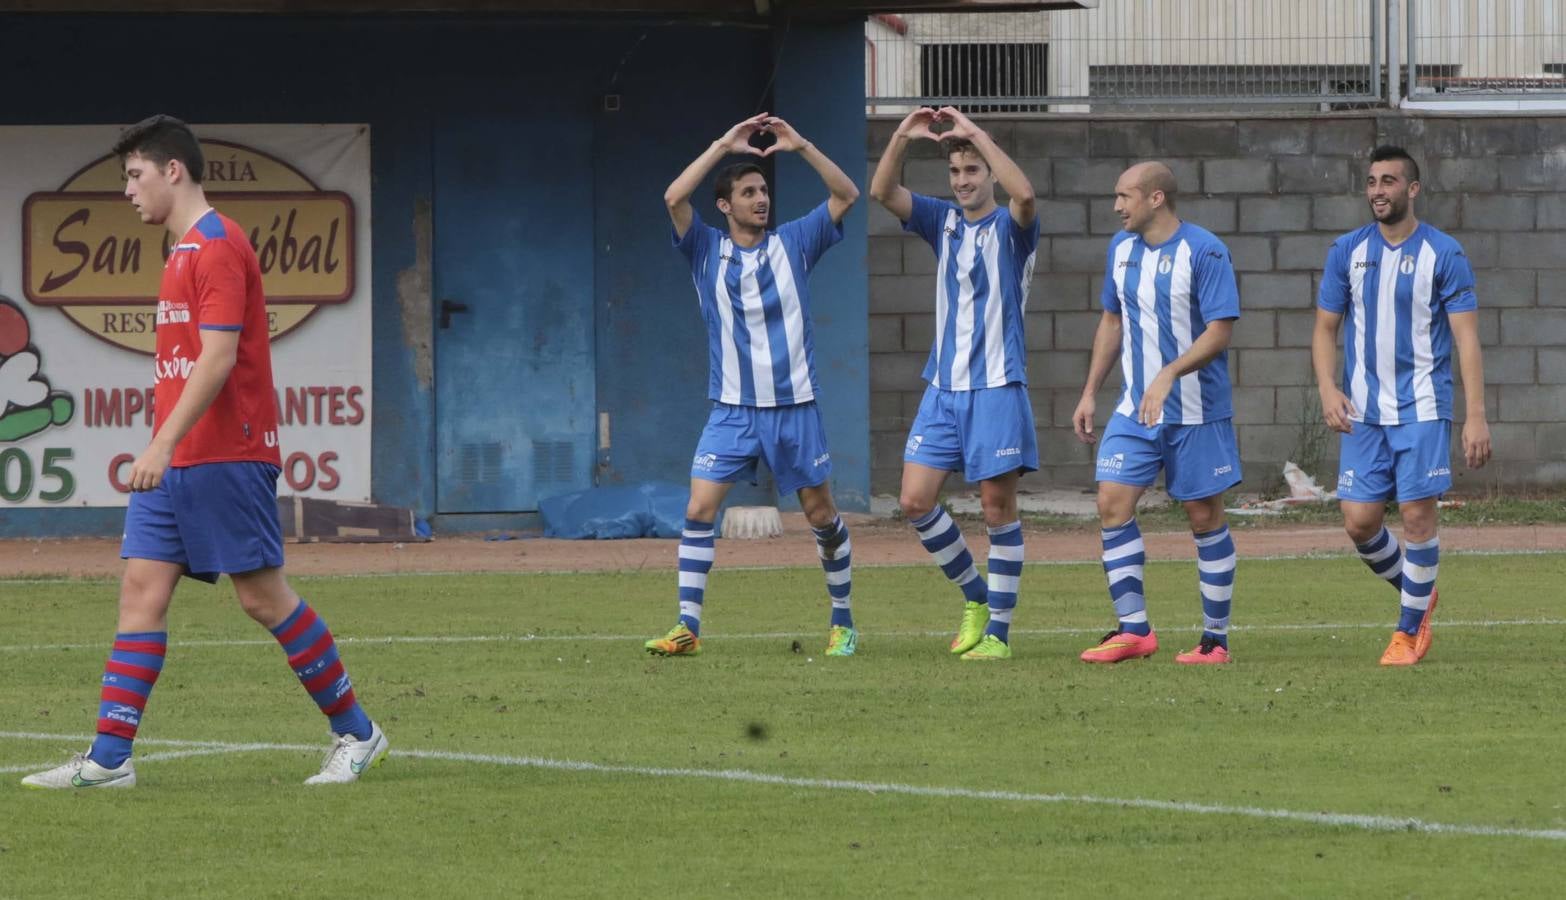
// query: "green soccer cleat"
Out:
[975,617]
[678,642]
[842,641]
[990,649]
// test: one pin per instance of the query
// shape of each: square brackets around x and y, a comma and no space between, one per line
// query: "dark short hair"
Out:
[950,146]
[1389,151]
[161,138]
[724,186]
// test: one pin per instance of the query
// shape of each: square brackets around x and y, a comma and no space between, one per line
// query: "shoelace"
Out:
[338,751]
[1208,643]
[1109,635]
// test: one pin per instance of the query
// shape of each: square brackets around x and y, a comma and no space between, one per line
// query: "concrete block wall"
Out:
[1278,191]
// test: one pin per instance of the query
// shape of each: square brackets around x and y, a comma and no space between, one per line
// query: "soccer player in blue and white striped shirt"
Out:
[1170,304]
[975,416]
[751,284]
[1406,293]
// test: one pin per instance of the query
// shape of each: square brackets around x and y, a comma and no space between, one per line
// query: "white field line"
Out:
[771,635]
[1328,819]
[805,563]
[146,757]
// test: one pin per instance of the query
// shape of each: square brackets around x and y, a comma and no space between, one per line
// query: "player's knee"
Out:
[915,506]
[1361,530]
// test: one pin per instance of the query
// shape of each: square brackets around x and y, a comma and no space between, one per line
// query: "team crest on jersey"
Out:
[1165,264]
[1406,265]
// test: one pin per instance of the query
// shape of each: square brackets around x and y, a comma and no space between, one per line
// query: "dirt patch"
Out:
[876,542]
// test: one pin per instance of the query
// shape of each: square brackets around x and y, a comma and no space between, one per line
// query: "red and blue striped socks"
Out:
[312,654]
[128,677]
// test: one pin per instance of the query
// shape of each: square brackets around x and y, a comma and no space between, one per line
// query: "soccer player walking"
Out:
[1170,304]
[1406,292]
[975,416]
[204,499]
[751,283]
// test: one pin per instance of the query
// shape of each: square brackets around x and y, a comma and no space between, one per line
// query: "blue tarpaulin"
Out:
[650,509]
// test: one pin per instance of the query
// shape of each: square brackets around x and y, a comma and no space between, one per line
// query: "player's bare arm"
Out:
[886,185]
[219,351]
[1336,408]
[1470,360]
[842,189]
[677,199]
[1106,350]
[1010,176]
[1213,341]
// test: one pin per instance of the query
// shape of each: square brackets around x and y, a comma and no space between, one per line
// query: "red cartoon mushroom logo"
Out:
[27,404]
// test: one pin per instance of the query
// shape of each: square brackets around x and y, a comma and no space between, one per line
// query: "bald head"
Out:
[1145,199]
[1152,177]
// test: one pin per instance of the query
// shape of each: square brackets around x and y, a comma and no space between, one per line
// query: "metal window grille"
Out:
[1141,54]
[1484,49]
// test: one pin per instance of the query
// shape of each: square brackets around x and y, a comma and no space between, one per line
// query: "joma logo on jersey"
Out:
[1365,264]
[1009,451]
[1223,470]
[821,460]
[1112,463]
[1438,472]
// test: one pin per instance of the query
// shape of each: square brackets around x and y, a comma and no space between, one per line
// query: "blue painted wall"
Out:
[680,87]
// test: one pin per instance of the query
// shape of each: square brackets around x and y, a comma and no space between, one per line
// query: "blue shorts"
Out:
[213,519]
[1401,462]
[789,438]
[982,433]
[1199,461]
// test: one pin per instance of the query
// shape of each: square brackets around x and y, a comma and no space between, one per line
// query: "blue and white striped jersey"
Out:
[757,308]
[1397,344]
[1165,296]
[981,290]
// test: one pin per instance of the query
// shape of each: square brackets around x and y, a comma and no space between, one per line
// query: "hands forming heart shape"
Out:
[922,122]
[742,138]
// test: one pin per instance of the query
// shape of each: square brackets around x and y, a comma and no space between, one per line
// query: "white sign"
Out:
[79,278]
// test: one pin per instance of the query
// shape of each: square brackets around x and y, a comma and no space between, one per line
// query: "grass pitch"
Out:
[538,752]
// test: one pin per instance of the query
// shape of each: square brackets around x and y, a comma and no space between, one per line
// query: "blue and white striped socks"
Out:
[1005,572]
[696,552]
[1124,556]
[1419,577]
[941,536]
[836,552]
[1215,571]
[1384,557]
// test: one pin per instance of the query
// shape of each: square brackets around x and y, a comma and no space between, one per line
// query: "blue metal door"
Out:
[513,272]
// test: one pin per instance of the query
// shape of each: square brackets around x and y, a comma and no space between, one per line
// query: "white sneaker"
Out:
[82,772]
[349,757]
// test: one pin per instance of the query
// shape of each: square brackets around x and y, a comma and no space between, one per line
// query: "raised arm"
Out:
[1006,170]
[886,186]
[677,198]
[841,187]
